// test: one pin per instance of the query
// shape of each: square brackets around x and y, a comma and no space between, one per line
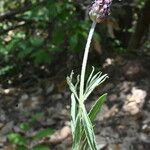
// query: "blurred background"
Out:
[41,41]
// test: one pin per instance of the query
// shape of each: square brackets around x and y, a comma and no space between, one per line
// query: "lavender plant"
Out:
[81,120]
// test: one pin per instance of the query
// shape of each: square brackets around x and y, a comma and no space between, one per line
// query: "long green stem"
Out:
[84,63]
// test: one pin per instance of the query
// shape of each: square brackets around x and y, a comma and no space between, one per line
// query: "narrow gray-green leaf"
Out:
[97,107]
[72,87]
[96,76]
[90,76]
[73,113]
[77,133]
[88,128]
[95,83]
[73,108]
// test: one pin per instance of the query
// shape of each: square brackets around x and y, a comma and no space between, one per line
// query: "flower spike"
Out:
[99,10]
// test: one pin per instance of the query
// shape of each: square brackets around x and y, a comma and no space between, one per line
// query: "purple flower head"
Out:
[99,10]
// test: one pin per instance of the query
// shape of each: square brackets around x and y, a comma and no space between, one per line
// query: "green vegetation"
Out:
[35,35]
[23,140]
[38,33]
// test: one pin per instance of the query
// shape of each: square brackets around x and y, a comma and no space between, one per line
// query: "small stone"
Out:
[132,108]
[2,139]
[49,122]
[60,135]
[2,116]
[50,89]
[146,128]
[144,137]
[56,96]
[1,125]
[16,129]
[7,128]
[24,97]
[133,70]
[112,97]
[135,101]
[101,146]
[7,91]
[114,147]
[101,142]
[10,147]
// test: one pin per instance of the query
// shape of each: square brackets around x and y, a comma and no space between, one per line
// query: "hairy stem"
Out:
[84,63]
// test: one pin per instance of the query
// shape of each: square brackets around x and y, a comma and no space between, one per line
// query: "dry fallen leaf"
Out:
[58,137]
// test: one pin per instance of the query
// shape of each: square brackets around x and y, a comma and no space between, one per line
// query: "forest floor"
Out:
[123,124]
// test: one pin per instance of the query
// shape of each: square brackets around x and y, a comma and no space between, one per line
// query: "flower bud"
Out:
[99,10]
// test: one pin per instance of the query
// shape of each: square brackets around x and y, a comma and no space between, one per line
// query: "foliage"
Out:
[23,141]
[81,121]
[41,31]
[5,70]
[17,139]
[43,133]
